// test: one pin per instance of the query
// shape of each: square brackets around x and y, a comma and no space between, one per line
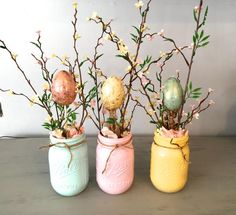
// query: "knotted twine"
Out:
[64,145]
[178,148]
[114,146]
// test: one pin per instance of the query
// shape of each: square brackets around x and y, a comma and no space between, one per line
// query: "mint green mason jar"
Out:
[68,165]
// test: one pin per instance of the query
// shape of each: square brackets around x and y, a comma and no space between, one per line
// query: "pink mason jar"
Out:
[115,164]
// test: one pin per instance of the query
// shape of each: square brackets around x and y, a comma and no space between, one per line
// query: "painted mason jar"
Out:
[169,163]
[115,164]
[68,165]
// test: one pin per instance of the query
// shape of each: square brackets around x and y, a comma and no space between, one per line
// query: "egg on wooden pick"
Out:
[172,94]
[63,88]
[112,93]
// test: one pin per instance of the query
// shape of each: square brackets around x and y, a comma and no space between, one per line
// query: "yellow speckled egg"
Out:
[63,88]
[112,93]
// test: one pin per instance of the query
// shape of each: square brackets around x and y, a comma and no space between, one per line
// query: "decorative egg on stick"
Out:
[172,94]
[112,94]
[63,88]
[172,100]
[112,97]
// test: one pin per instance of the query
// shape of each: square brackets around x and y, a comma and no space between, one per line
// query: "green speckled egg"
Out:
[172,94]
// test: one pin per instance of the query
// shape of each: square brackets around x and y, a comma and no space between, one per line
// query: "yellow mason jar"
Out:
[169,162]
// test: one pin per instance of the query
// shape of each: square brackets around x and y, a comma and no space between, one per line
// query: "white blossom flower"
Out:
[211,102]
[139,4]
[191,46]
[196,115]
[210,90]
[196,8]
[161,33]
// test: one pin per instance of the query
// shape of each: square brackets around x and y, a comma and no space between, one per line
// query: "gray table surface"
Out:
[211,188]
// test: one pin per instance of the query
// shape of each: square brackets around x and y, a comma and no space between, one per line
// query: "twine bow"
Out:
[64,145]
[115,146]
[178,148]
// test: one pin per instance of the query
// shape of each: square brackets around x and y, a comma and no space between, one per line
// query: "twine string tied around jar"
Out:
[64,145]
[114,146]
[178,148]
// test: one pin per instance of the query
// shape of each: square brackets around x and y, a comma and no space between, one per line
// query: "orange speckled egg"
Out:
[63,88]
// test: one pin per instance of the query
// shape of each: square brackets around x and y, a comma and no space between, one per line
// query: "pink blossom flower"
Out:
[184,114]
[159,64]
[150,37]
[104,111]
[144,80]
[38,32]
[93,103]
[192,107]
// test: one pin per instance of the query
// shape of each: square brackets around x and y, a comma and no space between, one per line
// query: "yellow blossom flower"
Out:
[57,133]
[137,98]
[107,37]
[76,75]
[122,48]
[10,93]
[14,56]
[75,5]
[139,4]
[46,86]
[151,112]
[128,69]
[144,27]
[94,15]
[162,54]
[99,73]
[77,36]
[48,119]
[34,100]
[53,56]
[65,57]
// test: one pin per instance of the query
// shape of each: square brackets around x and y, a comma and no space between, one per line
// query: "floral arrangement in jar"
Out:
[66,102]
[168,102]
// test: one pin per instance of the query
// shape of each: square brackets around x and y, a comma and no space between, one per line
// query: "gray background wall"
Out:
[214,66]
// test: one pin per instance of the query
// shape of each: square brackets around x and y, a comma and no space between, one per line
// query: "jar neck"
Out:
[111,142]
[70,141]
[170,142]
